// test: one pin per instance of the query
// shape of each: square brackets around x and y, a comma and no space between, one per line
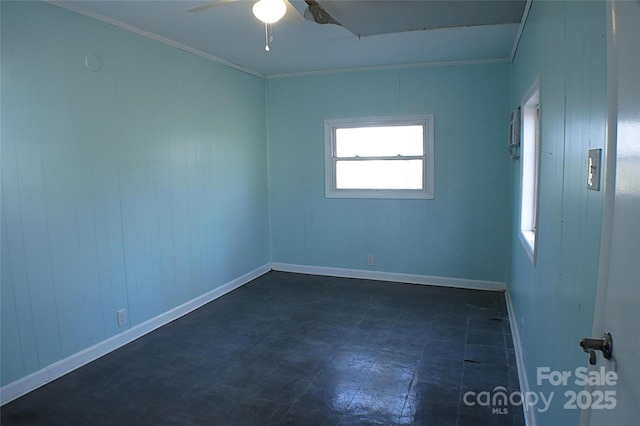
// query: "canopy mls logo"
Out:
[597,399]
[499,400]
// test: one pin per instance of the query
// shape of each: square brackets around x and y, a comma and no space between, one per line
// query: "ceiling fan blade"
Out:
[292,16]
[209,5]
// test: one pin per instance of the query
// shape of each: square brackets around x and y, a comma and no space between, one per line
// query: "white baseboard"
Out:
[58,369]
[391,276]
[529,413]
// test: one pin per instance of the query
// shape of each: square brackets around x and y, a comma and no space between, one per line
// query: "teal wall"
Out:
[144,185]
[140,186]
[564,43]
[462,233]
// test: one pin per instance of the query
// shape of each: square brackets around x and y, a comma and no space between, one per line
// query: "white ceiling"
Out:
[403,32]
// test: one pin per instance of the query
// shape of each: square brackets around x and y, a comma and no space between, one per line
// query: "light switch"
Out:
[593,175]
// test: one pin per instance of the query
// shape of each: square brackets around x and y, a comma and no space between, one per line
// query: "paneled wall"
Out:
[142,183]
[564,43]
[462,233]
[138,186]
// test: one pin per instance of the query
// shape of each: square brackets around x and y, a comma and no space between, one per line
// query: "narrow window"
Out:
[387,157]
[530,158]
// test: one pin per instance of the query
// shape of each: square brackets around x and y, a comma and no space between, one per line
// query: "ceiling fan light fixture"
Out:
[269,11]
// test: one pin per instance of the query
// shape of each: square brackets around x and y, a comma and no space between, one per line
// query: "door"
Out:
[618,296]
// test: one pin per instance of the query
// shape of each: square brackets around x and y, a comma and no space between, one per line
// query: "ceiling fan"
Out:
[272,11]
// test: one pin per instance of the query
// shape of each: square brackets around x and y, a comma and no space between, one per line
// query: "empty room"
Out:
[301,212]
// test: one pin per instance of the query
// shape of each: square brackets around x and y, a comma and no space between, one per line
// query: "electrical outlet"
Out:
[371,260]
[122,317]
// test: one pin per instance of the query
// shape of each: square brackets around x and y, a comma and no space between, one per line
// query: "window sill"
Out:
[397,194]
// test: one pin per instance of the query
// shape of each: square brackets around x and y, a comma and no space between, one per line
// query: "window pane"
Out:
[379,174]
[388,141]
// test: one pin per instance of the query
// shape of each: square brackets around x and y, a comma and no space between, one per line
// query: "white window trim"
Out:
[528,223]
[427,193]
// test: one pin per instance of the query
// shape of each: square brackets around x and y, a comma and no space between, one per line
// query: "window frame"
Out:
[427,191]
[531,139]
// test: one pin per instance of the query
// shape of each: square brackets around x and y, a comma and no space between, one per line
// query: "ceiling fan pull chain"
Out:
[266,37]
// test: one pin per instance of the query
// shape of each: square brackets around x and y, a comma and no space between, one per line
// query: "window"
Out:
[530,157]
[388,157]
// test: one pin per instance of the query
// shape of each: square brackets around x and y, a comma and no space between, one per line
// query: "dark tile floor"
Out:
[291,349]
